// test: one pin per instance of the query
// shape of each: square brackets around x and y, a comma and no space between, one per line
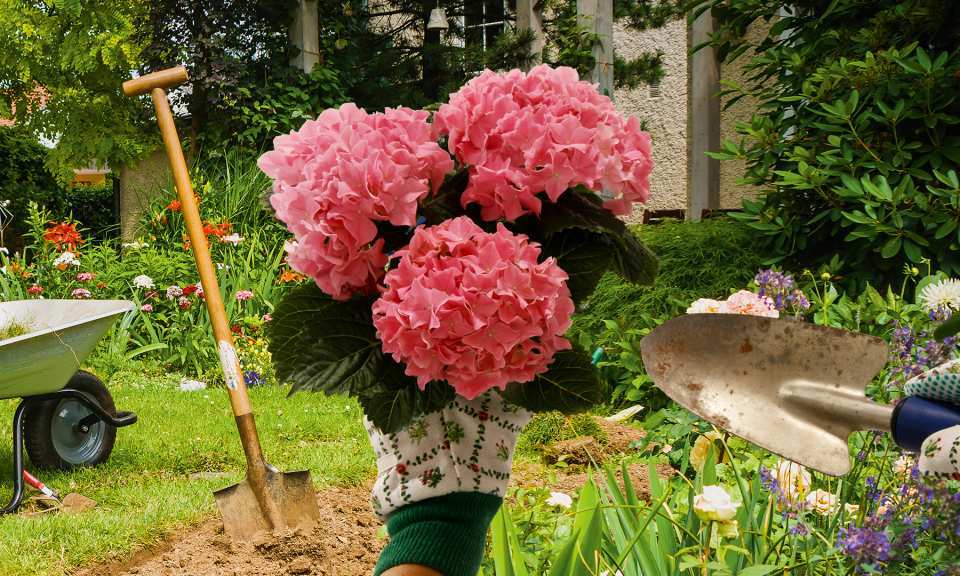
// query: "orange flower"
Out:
[63,235]
[288,276]
[174,205]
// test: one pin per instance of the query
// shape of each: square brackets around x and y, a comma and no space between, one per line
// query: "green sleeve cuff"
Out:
[447,533]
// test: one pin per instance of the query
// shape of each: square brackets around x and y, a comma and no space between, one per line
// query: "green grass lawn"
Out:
[144,491]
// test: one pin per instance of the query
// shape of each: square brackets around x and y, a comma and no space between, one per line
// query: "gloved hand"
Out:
[441,481]
[940,453]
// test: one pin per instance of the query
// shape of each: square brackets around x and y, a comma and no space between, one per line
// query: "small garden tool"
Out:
[267,499]
[794,388]
[36,484]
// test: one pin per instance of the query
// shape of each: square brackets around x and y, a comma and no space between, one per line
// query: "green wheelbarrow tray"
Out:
[67,417]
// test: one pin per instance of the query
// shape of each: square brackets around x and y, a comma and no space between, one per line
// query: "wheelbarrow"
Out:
[66,418]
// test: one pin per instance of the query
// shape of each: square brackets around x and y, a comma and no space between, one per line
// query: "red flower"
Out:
[401,469]
[174,205]
[236,329]
[63,235]
[35,289]
[189,289]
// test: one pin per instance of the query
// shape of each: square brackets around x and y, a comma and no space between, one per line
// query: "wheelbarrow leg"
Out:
[17,497]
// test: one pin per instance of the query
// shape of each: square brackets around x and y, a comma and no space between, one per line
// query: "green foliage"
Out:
[24,178]
[707,259]
[91,205]
[69,59]
[854,139]
[253,114]
[546,428]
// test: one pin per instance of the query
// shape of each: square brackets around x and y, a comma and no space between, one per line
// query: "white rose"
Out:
[714,503]
[822,502]
[707,306]
[560,499]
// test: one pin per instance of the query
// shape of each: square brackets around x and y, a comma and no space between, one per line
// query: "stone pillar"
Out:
[597,15]
[704,122]
[305,35]
[140,183]
[530,17]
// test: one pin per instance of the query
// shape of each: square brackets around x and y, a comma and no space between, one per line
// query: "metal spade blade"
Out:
[794,388]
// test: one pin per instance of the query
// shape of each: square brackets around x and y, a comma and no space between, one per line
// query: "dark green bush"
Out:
[697,260]
[92,206]
[855,138]
[23,178]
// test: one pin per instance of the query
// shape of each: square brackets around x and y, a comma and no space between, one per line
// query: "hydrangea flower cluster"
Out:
[543,131]
[473,308]
[740,302]
[339,175]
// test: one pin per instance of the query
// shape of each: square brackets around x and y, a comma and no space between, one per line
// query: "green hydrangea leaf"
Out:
[570,385]
[324,345]
[585,256]
[394,400]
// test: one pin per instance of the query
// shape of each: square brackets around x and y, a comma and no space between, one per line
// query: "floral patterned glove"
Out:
[441,480]
[940,454]
[466,447]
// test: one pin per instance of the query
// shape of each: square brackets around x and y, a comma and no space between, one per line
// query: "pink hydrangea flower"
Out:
[543,131]
[339,175]
[473,308]
[243,295]
[80,293]
[147,308]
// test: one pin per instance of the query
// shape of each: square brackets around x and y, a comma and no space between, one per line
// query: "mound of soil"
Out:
[584,450]
[344,543]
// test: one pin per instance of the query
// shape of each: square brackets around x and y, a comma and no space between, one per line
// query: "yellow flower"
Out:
[794,480]
[701,447]
[714,503]
[822,502]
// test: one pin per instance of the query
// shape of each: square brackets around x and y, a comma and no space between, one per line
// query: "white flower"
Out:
[701,447]
[714,503]
[851,509]
[903,464]
[222,266]
[66,259]
[822,502]
[607,573]
[666,448]
[560,499]
[174,292]
[793,479]
[143,281]
[707,306]
[942,294]
[232,239]
[188,385]
[135,245]
[4,251]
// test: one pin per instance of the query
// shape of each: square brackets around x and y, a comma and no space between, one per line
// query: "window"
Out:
[483,21]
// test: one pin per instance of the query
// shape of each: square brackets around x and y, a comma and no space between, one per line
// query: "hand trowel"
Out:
[794,388]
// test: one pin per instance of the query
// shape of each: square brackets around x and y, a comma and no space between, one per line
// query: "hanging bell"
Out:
[438,19]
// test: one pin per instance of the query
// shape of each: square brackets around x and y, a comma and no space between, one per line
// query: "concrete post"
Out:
[703,191]
[305,35]
[530,17]
[597,15]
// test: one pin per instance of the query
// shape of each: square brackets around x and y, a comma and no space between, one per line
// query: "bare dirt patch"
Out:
[344,543]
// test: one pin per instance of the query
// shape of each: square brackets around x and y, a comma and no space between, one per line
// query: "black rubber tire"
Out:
[39,421]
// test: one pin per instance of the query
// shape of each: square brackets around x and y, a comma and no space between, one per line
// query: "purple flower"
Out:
[799,529]
[252,378]
[865,546]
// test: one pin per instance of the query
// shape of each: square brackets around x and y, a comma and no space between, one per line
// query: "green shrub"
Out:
[545,428]
[855,137]
[697,260]
[23,179]
[91,205]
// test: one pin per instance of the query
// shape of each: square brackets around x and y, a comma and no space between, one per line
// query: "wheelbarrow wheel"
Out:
[53,432]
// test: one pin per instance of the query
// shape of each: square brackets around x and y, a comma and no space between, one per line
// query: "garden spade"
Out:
[794,388]
[267,499]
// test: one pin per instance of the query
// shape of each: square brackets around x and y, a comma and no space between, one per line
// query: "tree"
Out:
[61,64]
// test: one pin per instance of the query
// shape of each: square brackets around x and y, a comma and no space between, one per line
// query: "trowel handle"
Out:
[914,419]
